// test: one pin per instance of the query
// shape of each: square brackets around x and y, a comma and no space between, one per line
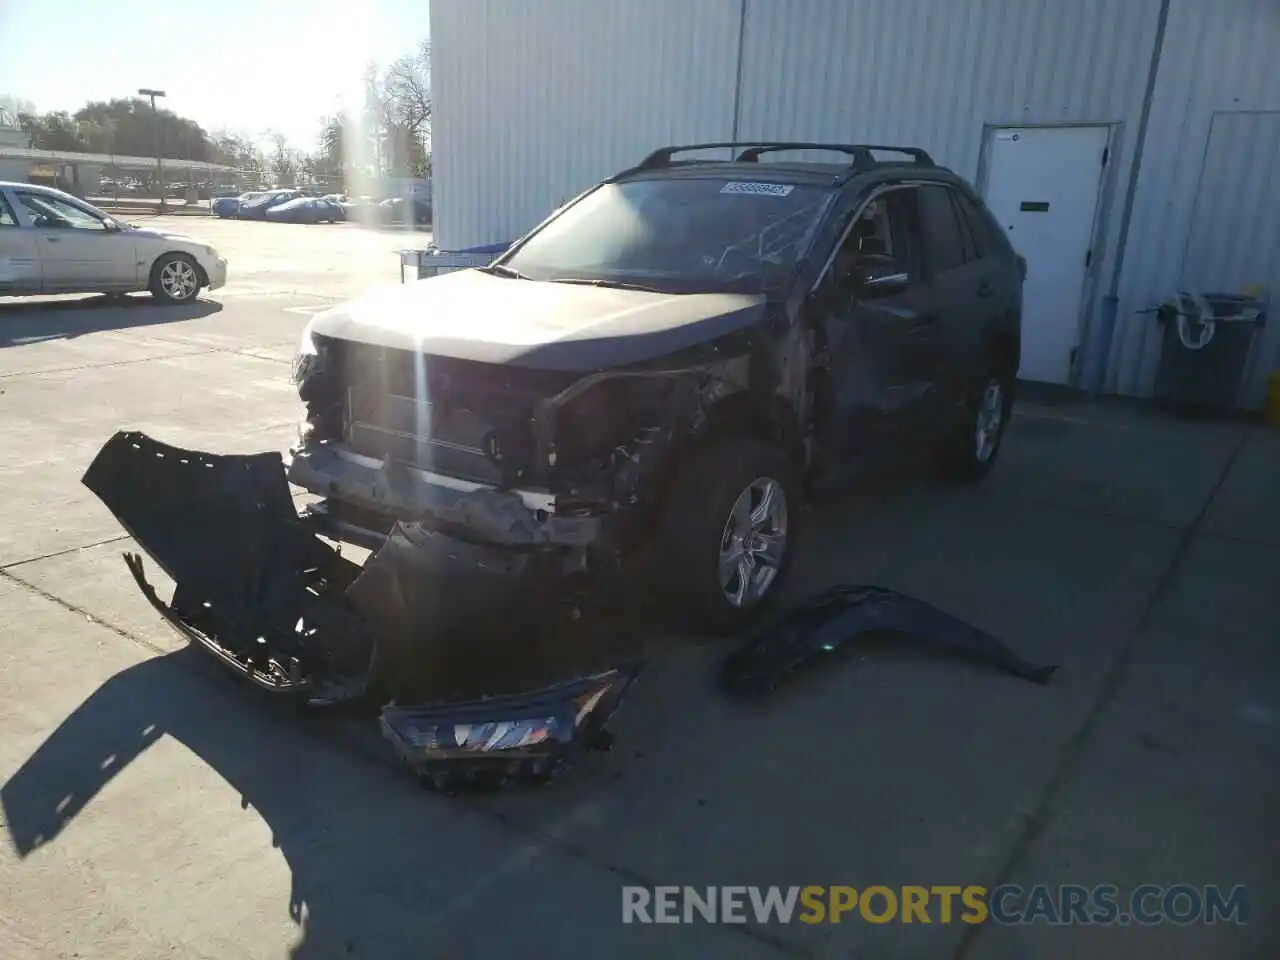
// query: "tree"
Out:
[12,107]
[52,131]
[332,163]
[407,85]
[124,127]
[235,149]
[406,88]
[395,118]
[284,162]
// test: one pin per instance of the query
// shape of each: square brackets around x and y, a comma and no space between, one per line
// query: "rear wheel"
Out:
[969,452]
[725,542]
[175,278]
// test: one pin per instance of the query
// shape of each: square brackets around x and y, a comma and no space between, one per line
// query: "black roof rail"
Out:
[860,153]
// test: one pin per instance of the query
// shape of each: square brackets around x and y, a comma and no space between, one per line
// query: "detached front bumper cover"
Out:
[420,621]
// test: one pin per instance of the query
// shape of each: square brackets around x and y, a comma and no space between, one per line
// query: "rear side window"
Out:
[977,228]
[944,242]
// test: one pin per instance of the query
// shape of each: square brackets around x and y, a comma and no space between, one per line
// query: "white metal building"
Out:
[1149,128]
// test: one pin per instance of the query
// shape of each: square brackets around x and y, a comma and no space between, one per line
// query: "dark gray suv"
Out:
[639,393]
[669,359]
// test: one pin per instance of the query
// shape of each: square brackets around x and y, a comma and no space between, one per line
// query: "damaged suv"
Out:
[639,393]
[667,365]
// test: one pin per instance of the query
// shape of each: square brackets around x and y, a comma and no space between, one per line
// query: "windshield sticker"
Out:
[759,189]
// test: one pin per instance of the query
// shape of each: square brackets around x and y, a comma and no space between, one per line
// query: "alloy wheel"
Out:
[178,280]
[989,420]
[754,542]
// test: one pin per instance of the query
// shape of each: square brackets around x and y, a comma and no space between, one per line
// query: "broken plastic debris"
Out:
[834,618]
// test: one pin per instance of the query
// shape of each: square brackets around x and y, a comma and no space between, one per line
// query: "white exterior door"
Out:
[1042,185]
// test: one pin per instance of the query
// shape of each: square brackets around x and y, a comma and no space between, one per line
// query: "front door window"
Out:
[53,213]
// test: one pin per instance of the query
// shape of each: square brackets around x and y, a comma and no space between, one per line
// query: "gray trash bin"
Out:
[1207,340]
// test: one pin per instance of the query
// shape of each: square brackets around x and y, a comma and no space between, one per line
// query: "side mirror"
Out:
[881,277]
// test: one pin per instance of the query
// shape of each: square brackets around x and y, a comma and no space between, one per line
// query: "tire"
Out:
[697,531]
[969,451]
[175,278]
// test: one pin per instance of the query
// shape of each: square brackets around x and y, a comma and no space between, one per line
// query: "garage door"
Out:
[1234,242]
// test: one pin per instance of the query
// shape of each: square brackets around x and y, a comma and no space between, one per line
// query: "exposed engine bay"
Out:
[495,453]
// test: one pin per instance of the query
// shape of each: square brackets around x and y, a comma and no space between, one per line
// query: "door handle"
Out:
[985,289]
[52,239]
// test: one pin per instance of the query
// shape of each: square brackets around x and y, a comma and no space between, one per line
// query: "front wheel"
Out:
[175,279]
[725,542]
[969,452]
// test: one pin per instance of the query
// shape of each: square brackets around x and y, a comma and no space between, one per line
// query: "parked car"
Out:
[306,210]
[256,208]
[230,206]
[401,210]
[343,204]
[52,242]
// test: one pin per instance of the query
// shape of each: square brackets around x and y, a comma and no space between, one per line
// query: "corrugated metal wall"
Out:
[936,73]
[933,72]
[535,102]
[1207,144]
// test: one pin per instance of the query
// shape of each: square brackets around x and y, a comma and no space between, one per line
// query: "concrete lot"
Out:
[153,809]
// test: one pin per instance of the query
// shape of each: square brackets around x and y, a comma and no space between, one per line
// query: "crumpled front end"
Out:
[428,618]
[501,454]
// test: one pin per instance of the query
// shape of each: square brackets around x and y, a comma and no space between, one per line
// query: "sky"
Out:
[250,66]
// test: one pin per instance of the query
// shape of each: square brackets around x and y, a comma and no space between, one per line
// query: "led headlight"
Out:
[507,737]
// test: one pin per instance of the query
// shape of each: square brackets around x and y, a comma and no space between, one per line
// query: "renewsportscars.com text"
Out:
[1064,904]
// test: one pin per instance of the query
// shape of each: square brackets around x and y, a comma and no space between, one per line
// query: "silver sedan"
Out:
[52,242]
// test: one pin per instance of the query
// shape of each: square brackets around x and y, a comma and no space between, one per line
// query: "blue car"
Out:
[256,208]
[230,206]
[305,210]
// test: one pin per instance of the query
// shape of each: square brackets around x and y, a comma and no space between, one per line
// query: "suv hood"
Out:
[471,315]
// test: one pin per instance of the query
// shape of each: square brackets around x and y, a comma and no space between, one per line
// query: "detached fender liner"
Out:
[834,618]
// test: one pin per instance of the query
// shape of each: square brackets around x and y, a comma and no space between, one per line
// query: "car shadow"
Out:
[25,322]
[337,857]
[375,861]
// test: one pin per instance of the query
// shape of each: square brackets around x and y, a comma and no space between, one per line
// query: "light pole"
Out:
[155,119]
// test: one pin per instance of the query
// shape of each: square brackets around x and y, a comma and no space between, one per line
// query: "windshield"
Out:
[682,235]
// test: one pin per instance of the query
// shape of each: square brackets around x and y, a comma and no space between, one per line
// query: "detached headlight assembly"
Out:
[502,739]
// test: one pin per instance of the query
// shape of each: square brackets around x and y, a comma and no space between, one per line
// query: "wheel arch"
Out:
[753,413]
[201,275]
[1004,348]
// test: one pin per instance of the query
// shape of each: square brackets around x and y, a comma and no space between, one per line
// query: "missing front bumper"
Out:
[429,618]
[390,488]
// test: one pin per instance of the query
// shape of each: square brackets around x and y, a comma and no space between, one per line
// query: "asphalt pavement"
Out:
[152,807]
